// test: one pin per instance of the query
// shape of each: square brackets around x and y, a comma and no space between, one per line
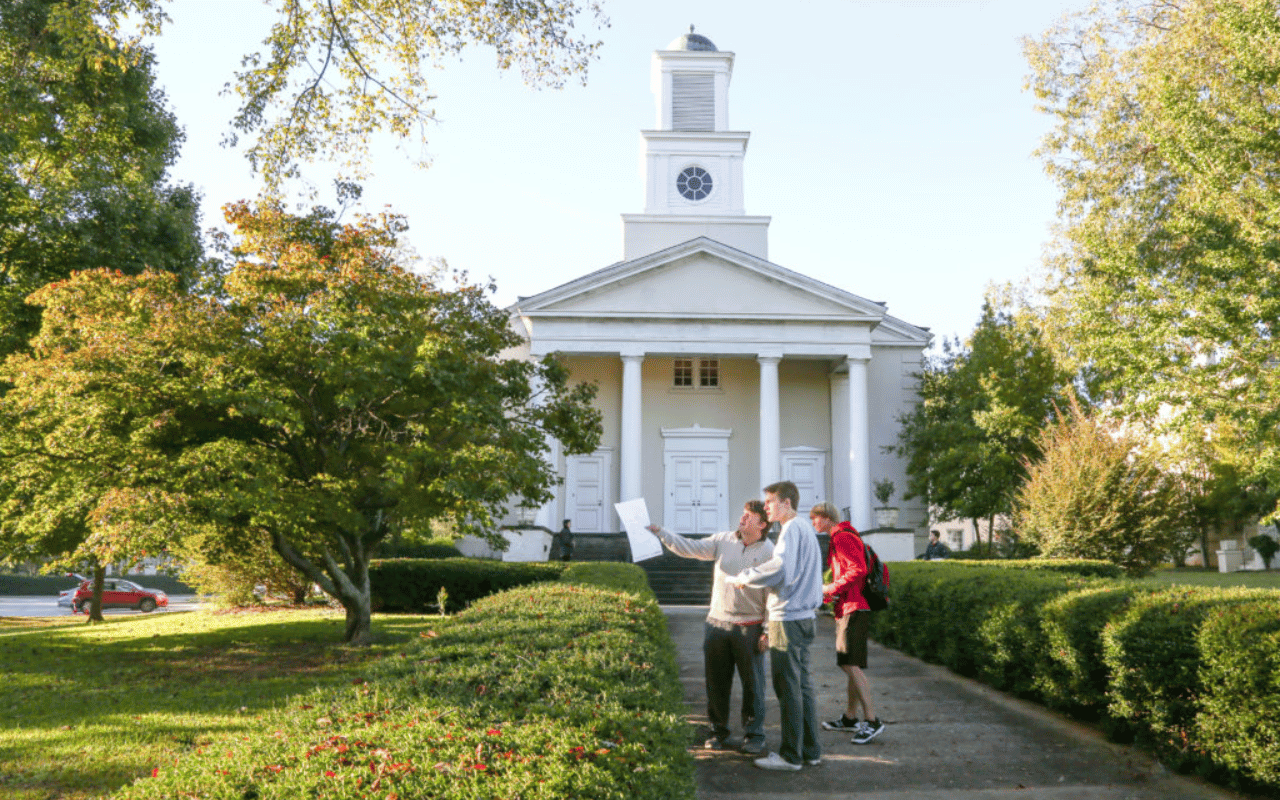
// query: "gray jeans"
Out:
[793,684]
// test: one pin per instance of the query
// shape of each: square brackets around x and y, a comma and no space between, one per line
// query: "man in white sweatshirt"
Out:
[735,623]
[793,578]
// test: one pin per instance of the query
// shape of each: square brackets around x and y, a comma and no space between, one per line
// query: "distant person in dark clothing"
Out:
[936,551]
[562,544]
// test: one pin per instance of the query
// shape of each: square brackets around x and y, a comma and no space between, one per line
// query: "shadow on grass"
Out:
[85,709]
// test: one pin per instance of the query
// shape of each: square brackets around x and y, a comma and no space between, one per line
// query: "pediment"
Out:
[701,278]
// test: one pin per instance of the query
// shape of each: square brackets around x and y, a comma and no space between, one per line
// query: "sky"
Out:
[892,143]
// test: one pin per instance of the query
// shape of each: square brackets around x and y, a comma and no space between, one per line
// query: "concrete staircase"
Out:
[675,580]
[679,581]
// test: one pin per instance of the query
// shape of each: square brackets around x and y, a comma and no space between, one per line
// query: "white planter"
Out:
[886,517]
[893,546]
[523,545]
[1230,560]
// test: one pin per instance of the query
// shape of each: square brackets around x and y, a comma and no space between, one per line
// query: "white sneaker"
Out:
[813,762]
[776,762]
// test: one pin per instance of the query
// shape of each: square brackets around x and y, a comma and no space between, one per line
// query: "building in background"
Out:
[719,371]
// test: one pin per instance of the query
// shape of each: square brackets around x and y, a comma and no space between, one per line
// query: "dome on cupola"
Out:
[692,41]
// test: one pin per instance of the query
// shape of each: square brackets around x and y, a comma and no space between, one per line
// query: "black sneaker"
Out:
[842,724]
[868,731]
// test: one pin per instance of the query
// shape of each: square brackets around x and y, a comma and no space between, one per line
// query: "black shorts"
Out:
[851,639]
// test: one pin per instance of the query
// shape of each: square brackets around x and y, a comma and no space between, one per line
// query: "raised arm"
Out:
[701,549]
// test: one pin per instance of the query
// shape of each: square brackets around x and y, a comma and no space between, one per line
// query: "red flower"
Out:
[155,772]
[494,732]
[328,773]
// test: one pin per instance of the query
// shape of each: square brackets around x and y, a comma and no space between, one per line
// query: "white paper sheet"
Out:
[635,518]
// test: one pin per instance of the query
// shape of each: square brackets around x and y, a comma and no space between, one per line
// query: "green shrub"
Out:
[412,584]
[976,619]
[1071,675]
[1153,659]
[432,548]
[585,702]
[1089,568]
[19,585]
[1239,721]
[979,551]
[917,619]
[1266,547]
[1096,494]
[1192,673]
[612,575]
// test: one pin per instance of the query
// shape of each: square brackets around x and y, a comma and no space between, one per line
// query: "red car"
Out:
[119,593]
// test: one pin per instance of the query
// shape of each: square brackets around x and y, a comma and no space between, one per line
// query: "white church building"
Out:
[719,371]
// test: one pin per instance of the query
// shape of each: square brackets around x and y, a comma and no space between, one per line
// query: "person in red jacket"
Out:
[847,559]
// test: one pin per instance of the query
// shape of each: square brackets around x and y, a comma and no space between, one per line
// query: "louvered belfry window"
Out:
[693,101]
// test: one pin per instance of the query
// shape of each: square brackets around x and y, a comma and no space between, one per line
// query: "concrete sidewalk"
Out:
[947,737]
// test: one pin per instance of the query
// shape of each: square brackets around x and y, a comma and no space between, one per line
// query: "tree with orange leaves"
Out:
[318,396]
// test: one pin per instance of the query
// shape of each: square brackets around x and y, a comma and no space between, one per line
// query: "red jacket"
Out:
[848,561]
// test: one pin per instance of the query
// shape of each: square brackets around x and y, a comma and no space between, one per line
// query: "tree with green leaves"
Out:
[1166,146]
[1096,492]
[322,398]
[330,74]
[981,408]
[85,146]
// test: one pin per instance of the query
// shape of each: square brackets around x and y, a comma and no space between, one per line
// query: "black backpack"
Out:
[875,587]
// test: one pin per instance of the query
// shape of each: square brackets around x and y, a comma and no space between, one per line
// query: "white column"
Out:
[859,446]
[840,452]
[546,513]
[770,420]
[631,442]
[547,516]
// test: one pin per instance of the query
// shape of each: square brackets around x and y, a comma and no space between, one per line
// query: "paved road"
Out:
[47,606]
[948,738]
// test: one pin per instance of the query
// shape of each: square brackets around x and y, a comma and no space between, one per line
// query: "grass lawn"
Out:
[1186,576]
[86,709]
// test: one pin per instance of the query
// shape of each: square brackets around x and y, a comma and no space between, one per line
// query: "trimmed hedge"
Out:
[432,549]
[585,702]
[630,578]
[1071,677]
[1239,719]
[977,620]
[1191,673]
[1155,656]
[1071,566]
[22,585]
[411,585]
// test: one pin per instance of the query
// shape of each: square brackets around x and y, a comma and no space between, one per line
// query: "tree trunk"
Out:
[1204,543]
[977,535]
[359,621]
[95,602]
[349,587]
[991,534]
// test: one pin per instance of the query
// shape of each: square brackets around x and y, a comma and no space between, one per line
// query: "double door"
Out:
[695,493]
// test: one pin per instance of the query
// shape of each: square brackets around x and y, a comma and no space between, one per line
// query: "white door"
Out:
[589,504]
[696,492]
[806,467]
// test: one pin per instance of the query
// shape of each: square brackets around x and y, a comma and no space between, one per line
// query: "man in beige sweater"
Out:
[734,624]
